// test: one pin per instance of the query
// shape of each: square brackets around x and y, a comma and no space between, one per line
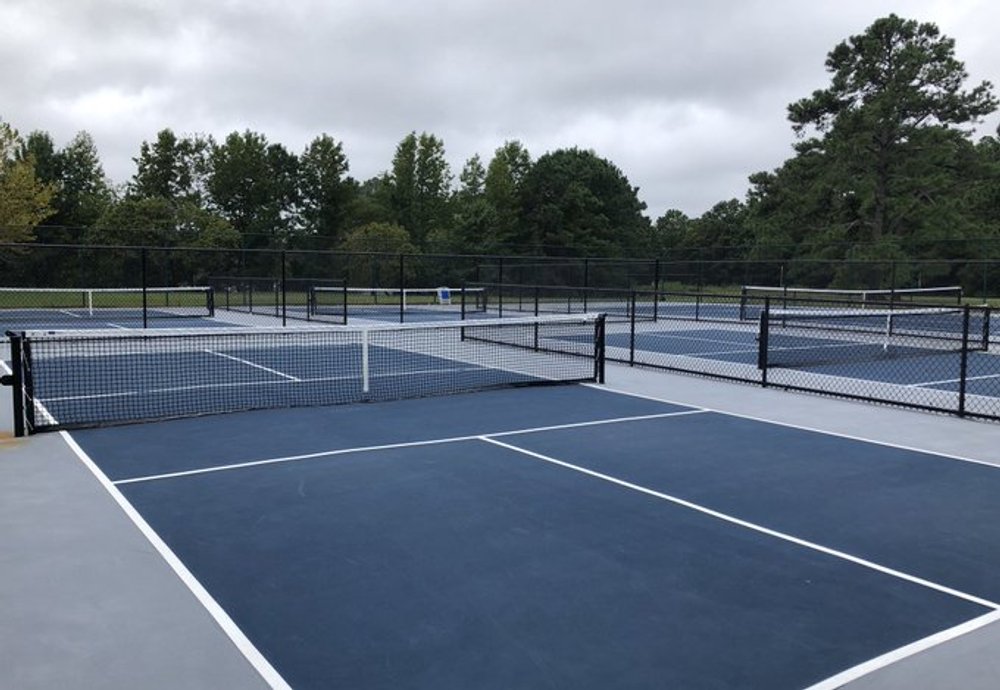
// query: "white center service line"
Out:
[748,525]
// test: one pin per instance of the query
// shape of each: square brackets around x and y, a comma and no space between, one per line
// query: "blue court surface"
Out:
[68,319]
[560,537]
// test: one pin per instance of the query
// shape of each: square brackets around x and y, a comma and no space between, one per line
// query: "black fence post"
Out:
[600,336]
[631,325]
[500,287]
[284,290]
[145,295]
[402,287]
[763,333]
[963,366]
[656,290]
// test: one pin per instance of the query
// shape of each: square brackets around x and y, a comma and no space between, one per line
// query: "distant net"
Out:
[752,297]
[390,301]
[291,298]
[56,305]
[87,378]
[801,337]
[618,304]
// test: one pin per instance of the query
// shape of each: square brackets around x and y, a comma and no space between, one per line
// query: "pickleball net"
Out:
[381,301]
[809,337]
[78,305]
[72,379]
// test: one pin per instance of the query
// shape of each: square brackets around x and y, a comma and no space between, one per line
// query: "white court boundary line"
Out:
[792,425]
[739,522]
[967,378]
[218,614]
[889,658]
[222,619]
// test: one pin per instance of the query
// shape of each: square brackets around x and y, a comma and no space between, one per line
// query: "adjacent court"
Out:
[562,536]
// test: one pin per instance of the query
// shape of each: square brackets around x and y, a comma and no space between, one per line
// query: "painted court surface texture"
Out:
[558,537]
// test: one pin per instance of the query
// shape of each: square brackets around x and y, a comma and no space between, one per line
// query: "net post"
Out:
[763,333]
[656,290]
[987,313]
[743,303]
[284,289]
[145,296]
[462,317]
[402,288]
[343,287]
[631,326]
[586,282]
[963,367]
[365,371]
[16,381]
[500,287]
[211,301]
[599,342]
[28,385]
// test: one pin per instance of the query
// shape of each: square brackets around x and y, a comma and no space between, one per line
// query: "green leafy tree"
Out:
[891,123]
[472,179]
[326,192]
[420,183]
[83,192]
[575,203]
[502,187]
[172,168]
[472,219]
[156,221]
[371,203]
[25,200]
[670,233]
[375,250]
[253,185]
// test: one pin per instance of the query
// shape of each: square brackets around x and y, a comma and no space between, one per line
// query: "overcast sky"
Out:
[687,98]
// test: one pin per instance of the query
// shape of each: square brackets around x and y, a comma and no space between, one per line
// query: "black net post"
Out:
[145,296]
[600,334]
[987,315]
[656,290]
[284,289]
[27,385]
[402,287]
[963,367]
[631,326]
[500,288]
[762,338]
[16,381]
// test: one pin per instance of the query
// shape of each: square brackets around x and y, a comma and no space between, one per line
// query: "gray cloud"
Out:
[688,99]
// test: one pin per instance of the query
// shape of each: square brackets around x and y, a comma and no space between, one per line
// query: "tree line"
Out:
[885,165]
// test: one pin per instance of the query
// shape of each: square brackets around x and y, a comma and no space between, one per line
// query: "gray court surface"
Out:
[88,602]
